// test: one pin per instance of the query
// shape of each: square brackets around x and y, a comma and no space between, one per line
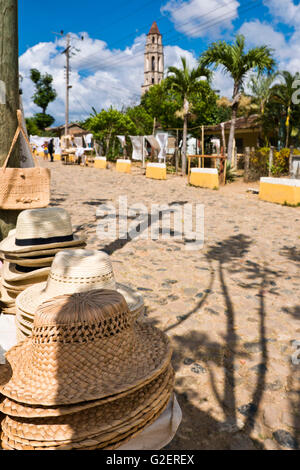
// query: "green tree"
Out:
[185,83]
[142,120]
[283,95]
[236,62]
[106,125]
[45,93]
[161,102]
[43,96]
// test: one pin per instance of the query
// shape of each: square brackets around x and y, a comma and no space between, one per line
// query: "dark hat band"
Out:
[43,241]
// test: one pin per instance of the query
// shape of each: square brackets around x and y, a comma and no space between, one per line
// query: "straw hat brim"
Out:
[108,441]
[30,299]
[33,263]
[64,373]
[15,409]
[11,274]
[49,252]
[109,417]
[8,245]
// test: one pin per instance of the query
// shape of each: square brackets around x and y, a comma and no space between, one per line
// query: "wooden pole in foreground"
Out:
[9,96]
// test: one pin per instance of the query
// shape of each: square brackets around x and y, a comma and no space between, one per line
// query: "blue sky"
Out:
[108,66]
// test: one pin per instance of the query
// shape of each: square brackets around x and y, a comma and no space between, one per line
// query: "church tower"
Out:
[154,59]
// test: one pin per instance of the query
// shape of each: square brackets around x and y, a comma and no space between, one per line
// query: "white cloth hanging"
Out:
[162,139]
[137,146]
[122,140]
[153,142]
[88,139]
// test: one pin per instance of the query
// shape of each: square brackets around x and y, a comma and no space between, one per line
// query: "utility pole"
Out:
[9,96]
[68,86]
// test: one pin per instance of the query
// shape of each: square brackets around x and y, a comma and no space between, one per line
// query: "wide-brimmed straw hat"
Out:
[112,417]
[78,271]
[15,409]
[13,273]
[83,347]
[38,229]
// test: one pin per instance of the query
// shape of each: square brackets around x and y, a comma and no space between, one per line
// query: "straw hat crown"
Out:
[79,317]
[43,223]
[83,347]
[76,270]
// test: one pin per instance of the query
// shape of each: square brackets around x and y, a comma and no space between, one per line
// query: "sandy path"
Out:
[232,309]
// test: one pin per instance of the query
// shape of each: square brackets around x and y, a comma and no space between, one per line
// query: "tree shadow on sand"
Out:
[195,346]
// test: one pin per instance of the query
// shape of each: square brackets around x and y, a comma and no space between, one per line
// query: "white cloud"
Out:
[199,18]
[285,11]
[286,50]
[100,77]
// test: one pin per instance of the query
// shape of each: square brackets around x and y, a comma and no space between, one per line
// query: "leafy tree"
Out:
[185,82]
[236,62]
[106,125]
[32,127]
[45,92]
[141,119]
[161,102]
[282,94]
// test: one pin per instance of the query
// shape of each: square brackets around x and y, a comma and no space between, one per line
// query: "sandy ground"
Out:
[232,309]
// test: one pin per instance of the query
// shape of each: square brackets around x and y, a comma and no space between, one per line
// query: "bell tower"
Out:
[154,59]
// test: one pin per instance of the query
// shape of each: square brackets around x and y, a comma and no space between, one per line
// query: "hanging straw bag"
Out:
[23,188]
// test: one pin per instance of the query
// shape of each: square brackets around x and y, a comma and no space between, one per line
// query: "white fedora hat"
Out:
[12,273]
[38,229]
[75,271]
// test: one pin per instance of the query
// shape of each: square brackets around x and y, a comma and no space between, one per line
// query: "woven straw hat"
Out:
[105,441]
[78,271]
[38,229]
[15,409]
[83,347]
[12,273]
[109,417]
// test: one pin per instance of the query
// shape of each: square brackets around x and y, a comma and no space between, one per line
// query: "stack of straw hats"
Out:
[89,377]
[29,250]
[73,271]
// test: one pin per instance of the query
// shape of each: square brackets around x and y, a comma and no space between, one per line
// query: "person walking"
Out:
[51,149]
[45,146]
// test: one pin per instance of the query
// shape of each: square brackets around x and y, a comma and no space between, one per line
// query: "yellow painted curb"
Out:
[205,178]
[100,163]
[280,190]
[123,166]
[156,171]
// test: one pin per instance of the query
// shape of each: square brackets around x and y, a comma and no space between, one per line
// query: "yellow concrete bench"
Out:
[205,178]
[100,162]
[123,166]
[56,157]
[156,171]
[280,190]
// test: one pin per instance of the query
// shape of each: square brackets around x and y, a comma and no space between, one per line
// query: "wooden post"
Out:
[9,96]
[177,152]
[223,139]
[247,164]
[271,158]
[189,168]
[291,162]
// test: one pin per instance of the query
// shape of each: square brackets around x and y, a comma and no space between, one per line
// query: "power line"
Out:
[115,61]
[171,29]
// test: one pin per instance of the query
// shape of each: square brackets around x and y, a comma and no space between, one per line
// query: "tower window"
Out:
[152,81]
[152,39]
[153,64]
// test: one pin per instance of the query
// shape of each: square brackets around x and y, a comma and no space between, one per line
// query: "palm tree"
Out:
[260,88]
[283,94]
[236,62]
[185,82]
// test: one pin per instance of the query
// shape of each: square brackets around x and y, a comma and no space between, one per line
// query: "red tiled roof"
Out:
[154,29]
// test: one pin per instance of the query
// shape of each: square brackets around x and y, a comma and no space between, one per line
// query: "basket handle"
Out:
[18,131]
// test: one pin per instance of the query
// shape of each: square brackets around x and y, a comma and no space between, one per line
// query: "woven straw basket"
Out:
[23,188]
